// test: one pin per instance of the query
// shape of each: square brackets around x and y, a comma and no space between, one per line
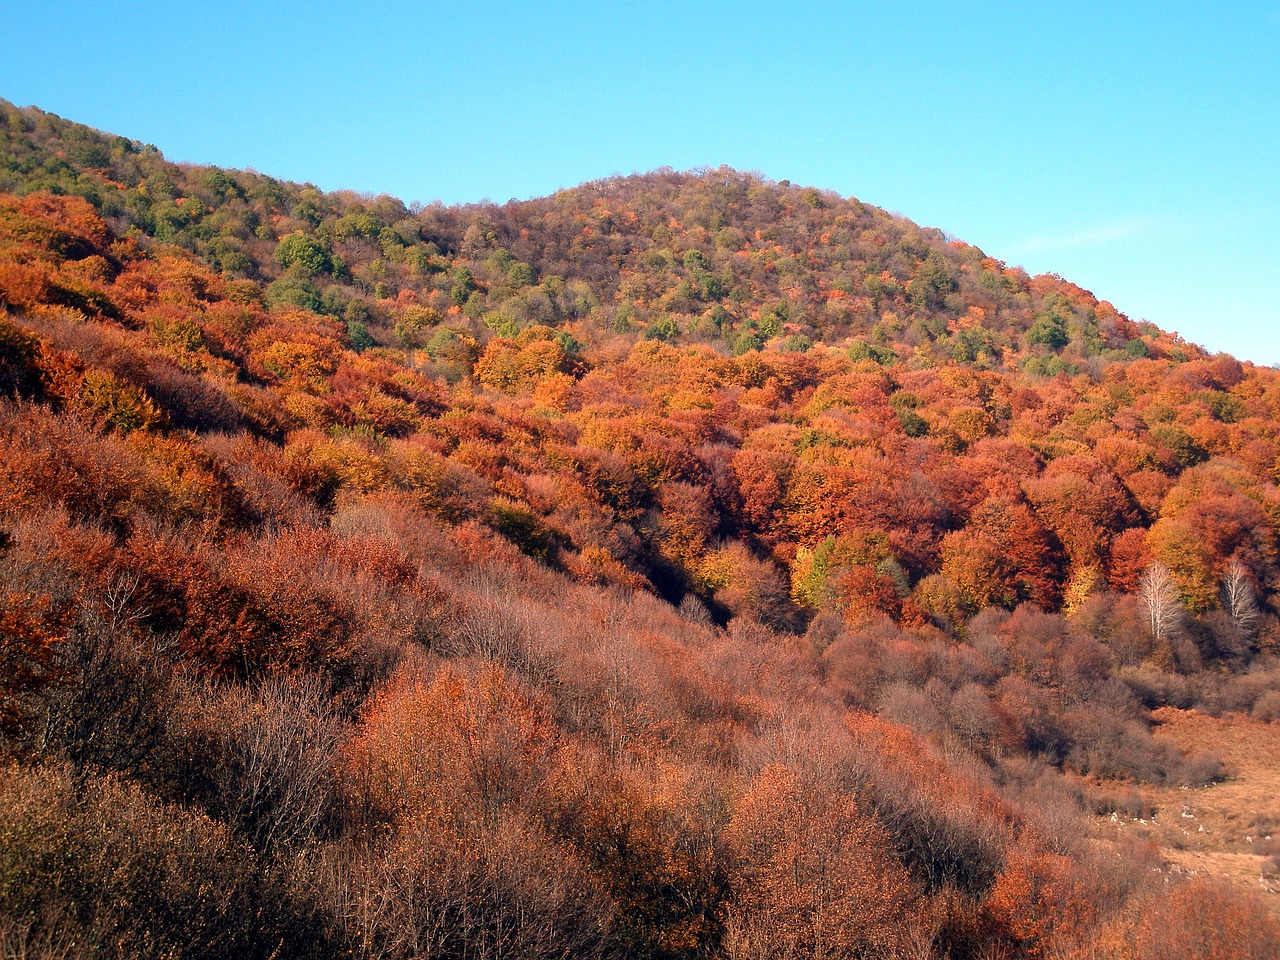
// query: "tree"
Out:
[1238,597]
[1005,555]
[305,251]
[1049,331]
[1083,502]
[269,755]
[932,282]
[1160,600]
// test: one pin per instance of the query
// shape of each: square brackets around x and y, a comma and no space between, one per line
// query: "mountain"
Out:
[680,565]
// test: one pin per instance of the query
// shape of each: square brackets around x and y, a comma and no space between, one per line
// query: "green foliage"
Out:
[695,260]
[310,206]
[664,328]
[1222,405]
[523,528]
[570,344]
[412,326]
[862,350]
[1187,452]
[354,226]
[796,344]
[115,402]
[520,275]
[1049,330]
[359,337]
[747,340]
[913,424]
[772,319]
[932,282]
[294,289]
[305,251]
[222,185]
[463,284]
[446,343]
[974,343]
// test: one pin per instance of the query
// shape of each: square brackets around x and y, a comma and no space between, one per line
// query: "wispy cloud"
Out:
[1095,237]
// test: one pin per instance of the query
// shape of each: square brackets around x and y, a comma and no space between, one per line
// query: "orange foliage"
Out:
[1040,903]
[27,647]
[440,746]
[814,876]
[1195,920]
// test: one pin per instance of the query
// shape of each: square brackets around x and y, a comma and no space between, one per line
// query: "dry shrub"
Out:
[52,555]
[856,663]
[1267,706]
[812,875]
[651,834]
[190,402]
[630,676]
[496,627]
[450,888]
[28,941]
[445,739]
[1155,687]
[260,474]
[1106,743]
[946,823]
[919,709]
[1121,799]
[49,459]
[761,665]
[1193,920]
[101,863]
[109,712]
[262,758]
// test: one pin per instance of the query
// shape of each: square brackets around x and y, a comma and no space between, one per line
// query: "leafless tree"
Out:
[109,713]
[1238,597]
[270,756]
[1161,601]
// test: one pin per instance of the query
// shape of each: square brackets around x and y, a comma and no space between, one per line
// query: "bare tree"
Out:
[1161,600]
[1238,597]
[268,756]
[109,711]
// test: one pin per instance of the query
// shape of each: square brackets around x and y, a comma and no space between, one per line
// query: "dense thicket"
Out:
[680,565]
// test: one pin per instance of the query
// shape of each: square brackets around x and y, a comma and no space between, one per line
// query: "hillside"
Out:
[682,565]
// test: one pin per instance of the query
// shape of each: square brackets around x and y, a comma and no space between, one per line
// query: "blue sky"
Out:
[1133,148]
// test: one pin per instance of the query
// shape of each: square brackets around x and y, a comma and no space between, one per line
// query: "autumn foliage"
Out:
[682,565]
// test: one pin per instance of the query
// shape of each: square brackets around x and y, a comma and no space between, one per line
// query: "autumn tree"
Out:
[1040,903]
[1003,556]
[1198,918]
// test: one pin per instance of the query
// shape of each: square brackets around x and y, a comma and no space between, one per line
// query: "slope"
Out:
[680,565]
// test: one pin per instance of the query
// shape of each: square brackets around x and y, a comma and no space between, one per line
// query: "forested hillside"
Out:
[681,565]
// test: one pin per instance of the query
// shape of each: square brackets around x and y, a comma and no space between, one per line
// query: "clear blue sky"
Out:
[1133,148]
